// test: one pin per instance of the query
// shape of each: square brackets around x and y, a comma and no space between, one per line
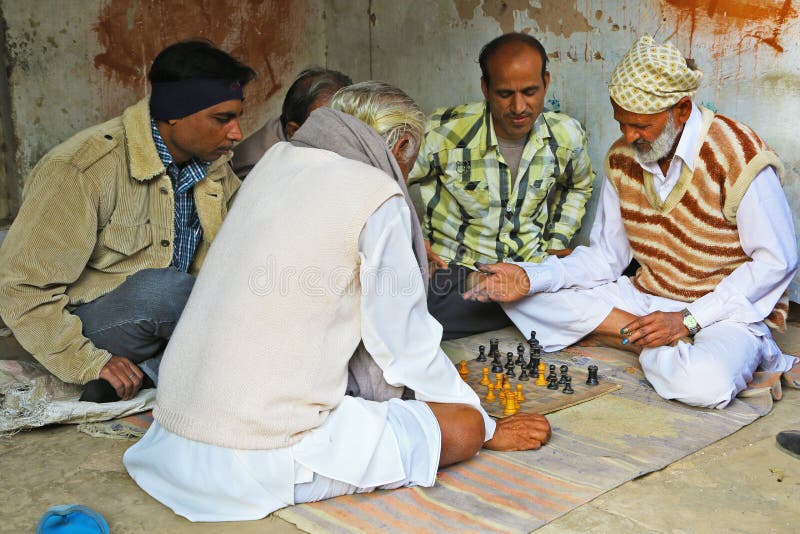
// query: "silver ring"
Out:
[132,376]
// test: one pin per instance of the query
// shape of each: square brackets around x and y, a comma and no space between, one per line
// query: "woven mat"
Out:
[596,446]
[132,427]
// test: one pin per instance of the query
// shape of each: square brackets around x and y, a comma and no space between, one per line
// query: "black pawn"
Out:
[552,373]
[523,376]
[564,370]
[520,355]
[509,360]
[592,379]
[481,353]
[552,382]
[568,386]
[510,373]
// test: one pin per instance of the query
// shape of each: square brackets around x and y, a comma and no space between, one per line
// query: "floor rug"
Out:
[596,446]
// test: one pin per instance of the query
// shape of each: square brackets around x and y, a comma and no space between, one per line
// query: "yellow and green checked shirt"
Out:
[474,210]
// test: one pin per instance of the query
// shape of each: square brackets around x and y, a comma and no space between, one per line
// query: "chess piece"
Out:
[592,378]
[523,376]
[568,386]
[485,380]
[520,355]
[494,347]
[520,396]
[490,396]
[481,353]
[541,380]
[497,365]
[564,370]
[533,367]
[510,373]
[509,360]
[498,380]
[552,382]
[552,373]
[463,371]
[511,405]
[532,340]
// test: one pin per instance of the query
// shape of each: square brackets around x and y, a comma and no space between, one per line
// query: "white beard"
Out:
[661,147]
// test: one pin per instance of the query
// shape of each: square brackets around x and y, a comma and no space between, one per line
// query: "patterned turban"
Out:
[652,78]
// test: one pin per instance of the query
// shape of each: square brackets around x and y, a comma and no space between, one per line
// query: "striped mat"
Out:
[596,446]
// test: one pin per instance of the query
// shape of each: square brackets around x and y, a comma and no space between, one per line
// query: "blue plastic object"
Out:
[72,519]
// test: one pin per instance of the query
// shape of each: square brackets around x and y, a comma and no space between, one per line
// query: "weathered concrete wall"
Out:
[748,49]
[74,64]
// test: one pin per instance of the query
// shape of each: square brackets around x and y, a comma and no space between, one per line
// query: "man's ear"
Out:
[484,88]
[291,129]
[682,110]
[546,80]
[400,148]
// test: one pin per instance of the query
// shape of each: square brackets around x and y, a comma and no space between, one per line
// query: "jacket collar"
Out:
[144,163]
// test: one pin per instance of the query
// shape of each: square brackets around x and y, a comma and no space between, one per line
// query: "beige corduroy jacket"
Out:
[96,209]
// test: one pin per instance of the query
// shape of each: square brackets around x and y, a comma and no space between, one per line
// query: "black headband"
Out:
[175,100]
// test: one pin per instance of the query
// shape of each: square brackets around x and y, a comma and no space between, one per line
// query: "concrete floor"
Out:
[730,486]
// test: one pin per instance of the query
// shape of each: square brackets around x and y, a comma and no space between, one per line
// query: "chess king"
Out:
[269,430]
[695,197]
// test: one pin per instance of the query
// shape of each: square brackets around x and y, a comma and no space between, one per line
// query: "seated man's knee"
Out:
[163,291]
[463,431]
[699,381]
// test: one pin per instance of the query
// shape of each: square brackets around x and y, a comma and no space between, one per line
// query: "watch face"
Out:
[690,322]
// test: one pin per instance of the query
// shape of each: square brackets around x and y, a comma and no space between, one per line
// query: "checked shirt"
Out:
[474,210]
[188,231]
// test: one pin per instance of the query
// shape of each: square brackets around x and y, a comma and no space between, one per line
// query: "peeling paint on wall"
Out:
[734,21]
[230,24]
[558,17]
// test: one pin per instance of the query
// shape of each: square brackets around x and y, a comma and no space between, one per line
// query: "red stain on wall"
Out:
[761,20]
[259,33]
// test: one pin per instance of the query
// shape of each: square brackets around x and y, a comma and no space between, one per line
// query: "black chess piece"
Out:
[564,370]
[568,386]
[552,382]
[536,357]
[510,373]
[509,360]
[592,378]
[481,353]
[552,373]
[497,365]
[523,376]
[532,340]
[520,355]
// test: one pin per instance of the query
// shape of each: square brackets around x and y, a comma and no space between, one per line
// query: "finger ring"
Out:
[132,376]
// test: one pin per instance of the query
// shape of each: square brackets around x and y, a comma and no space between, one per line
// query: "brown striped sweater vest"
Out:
[689,242]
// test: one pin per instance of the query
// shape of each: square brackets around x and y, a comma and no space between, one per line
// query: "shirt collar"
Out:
[163,151]
[540,129]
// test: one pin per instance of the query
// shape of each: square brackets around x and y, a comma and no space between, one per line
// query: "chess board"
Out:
[539,399]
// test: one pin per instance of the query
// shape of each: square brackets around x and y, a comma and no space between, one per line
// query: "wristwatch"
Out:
[690,322]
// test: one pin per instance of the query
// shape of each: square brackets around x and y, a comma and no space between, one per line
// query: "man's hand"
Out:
[559,252]
[435,262]
[501,282]
[123,375]
[655,329]
[520,432]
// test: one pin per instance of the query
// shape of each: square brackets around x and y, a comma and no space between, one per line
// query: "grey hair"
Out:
[387,109]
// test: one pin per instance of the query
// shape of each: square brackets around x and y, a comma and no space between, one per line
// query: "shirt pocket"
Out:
[465,180]
[118,242]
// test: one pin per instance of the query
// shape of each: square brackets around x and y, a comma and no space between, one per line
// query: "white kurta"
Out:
[572,295]
[362,444]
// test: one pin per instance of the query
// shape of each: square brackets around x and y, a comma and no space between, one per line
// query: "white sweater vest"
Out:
[259,356]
